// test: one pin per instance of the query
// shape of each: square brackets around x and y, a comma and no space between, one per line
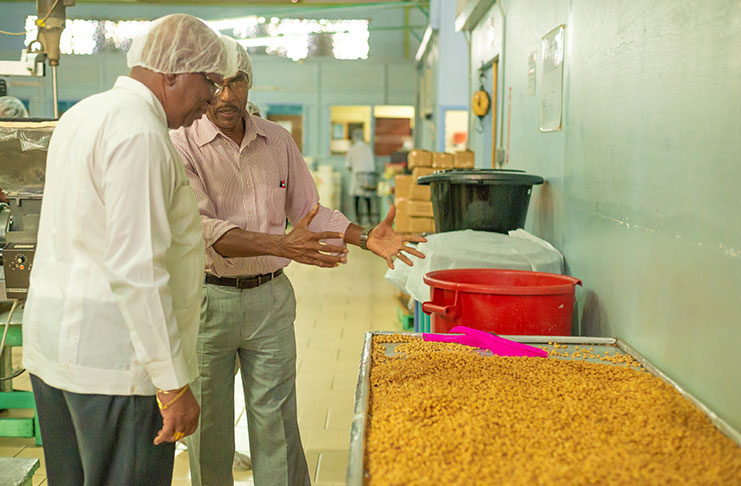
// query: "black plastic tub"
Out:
[480,199]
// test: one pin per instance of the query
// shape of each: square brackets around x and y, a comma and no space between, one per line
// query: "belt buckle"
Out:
[238,282]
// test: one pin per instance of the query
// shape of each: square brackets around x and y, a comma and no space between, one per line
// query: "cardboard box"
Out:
[422,225]
[414,209]
[442,160]
[419,158]
[422,171]
[402,221]
[419,209]
[403,186]
[464,159]
[409,224]
[421,193]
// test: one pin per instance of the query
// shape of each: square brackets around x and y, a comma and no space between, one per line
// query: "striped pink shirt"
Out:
[255,186]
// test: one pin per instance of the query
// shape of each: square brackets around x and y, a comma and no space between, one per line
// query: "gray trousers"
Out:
[255,325]
[96,440]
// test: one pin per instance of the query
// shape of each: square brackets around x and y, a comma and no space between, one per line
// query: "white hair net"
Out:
[358,134]
[179,43]
[12,107]
[253,109]
[238,59]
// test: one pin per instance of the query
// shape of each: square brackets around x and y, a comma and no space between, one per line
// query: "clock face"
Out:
[480,103]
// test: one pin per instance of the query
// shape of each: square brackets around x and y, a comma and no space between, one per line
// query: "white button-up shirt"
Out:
[113,306]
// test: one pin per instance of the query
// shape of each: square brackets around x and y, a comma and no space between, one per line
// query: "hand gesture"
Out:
[304,246]
[386,243]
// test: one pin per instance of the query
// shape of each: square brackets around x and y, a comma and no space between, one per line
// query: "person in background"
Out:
[111,321]
[248,177]
[253,109]
[362,166]
[12,107]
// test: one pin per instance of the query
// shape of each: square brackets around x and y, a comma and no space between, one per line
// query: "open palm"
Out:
[387,243]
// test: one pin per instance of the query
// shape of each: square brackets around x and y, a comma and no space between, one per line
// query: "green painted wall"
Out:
[644,180]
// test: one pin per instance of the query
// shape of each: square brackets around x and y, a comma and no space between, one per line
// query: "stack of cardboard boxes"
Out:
[413,204]
[413,201]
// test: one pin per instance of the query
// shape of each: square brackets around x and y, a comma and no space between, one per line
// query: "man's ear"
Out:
[170,79]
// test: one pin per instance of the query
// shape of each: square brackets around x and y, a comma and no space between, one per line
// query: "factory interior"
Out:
[569,169]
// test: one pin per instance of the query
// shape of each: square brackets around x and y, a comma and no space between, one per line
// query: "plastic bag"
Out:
[474,249]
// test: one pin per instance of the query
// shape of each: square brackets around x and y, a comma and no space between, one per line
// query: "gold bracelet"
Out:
[164,406]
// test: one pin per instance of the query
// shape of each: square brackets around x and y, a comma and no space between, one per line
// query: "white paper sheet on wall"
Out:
[551,100]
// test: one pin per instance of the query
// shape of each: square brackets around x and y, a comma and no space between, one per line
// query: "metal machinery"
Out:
[23,146]
[51,20]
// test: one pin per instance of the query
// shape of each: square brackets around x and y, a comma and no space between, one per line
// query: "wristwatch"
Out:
[364,237]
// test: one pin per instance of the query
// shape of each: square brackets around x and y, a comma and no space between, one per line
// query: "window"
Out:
[293,38]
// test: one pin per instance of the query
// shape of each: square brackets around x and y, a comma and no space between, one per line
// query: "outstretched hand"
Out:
[386,243]
[305,246]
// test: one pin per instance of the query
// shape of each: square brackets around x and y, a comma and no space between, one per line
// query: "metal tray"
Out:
[355,469]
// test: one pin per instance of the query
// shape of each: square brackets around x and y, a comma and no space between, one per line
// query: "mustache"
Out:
[228,107]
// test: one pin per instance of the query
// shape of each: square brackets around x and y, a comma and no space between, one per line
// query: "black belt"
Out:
[242,282]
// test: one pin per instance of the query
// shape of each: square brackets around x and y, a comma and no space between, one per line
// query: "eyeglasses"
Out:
[216,88]
[238,83]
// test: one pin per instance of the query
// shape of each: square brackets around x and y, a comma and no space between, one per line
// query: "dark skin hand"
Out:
[180,417]
[301,244]
[386,243]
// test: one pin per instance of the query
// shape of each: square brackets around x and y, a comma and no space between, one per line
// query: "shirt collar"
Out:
[206,131]
[134,86]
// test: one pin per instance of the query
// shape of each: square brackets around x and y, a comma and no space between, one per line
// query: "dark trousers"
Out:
[96,440]
[357,207]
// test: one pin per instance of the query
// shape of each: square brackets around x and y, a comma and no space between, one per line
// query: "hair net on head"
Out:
[12,107]
[238,59]
[253,109]
[358,134]
[176,44]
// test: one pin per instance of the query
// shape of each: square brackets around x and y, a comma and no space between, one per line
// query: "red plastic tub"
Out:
[501,301]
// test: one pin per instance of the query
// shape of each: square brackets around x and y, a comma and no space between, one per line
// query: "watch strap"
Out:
[364,237]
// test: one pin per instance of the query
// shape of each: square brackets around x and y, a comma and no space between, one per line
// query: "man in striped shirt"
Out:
[248,176]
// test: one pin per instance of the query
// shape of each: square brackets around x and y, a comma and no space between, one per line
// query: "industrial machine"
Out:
[23,146]
[51,20]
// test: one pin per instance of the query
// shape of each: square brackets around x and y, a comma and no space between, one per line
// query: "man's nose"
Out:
[225,94]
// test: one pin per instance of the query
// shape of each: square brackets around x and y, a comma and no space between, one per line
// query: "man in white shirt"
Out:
[113,308]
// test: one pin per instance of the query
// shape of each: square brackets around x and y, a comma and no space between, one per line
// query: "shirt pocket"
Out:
[276,206]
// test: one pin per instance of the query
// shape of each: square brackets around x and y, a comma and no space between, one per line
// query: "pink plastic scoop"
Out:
[480,339]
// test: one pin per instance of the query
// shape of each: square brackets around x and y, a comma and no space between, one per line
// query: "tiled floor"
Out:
[335,309]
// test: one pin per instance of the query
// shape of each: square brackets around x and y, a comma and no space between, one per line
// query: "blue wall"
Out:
[642,192]
[446,65]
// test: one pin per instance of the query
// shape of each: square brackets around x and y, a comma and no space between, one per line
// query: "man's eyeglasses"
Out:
[239,82]
[216,88]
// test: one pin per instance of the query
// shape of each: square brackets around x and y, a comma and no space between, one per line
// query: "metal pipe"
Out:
[55,93]
[406,33]
[328,7]
[398,27]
